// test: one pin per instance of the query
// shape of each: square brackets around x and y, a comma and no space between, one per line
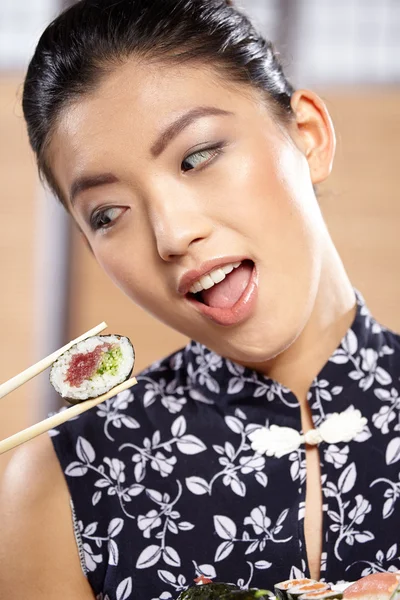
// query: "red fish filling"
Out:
[85,364]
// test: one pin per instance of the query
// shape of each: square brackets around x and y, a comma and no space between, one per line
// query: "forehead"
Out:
[129,108]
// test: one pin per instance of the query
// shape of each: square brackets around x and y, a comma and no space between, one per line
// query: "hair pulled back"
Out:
[92,37]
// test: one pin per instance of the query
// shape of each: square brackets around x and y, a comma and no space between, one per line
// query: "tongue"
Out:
[226,293]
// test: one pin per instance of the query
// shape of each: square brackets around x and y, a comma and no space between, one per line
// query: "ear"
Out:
[314,133]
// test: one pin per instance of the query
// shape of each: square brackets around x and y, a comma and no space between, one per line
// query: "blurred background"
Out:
[52,290]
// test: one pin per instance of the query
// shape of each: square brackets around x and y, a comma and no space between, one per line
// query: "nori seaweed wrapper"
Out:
[222,591]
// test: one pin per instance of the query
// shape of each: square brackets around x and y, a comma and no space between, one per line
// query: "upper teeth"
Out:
[207,281]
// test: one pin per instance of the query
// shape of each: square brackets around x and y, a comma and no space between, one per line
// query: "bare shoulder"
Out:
[38,552]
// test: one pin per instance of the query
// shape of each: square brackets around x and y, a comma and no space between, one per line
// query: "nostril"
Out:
[199,239]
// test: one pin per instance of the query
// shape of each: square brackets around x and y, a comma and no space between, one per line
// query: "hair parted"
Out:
[92,37]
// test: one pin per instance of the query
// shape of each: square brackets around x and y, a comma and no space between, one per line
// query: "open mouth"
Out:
[225,293]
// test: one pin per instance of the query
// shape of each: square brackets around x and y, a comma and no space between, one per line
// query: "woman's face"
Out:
[176,173]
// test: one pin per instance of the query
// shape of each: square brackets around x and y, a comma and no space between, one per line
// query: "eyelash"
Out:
[96,219]
[215,151]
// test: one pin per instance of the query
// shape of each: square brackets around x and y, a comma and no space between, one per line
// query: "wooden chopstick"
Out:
[30,432]
[30,372]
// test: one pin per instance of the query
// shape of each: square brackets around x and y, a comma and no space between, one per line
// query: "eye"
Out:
[202,157]
[104,219]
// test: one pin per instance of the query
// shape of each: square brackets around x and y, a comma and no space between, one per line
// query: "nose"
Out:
[177,225]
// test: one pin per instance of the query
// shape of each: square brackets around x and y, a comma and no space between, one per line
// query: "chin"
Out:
[253,350]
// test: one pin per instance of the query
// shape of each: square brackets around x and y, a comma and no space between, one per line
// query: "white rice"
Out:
[99,384]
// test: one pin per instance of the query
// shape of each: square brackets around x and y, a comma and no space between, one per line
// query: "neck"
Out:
[333,313]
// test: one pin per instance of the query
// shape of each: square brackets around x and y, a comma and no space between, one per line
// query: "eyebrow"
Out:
[90,181]
[86,182]
[181,123]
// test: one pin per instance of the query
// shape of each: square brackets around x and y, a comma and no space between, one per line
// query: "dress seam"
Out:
[78,539]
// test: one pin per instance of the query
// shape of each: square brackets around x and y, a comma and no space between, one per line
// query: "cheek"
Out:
[128,269]
[135,273]
[270,199]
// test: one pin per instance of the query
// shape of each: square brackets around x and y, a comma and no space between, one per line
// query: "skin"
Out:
[255,199]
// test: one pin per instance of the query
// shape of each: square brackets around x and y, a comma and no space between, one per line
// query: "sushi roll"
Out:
[378,586]
[92,367]
[251,594]
[222,591]
[298,591]
[281,589]
[327,594]
[208,591]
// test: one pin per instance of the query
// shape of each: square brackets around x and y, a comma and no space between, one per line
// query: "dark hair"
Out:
[93,36]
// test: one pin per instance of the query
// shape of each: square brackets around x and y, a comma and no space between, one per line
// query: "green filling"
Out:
[110,361]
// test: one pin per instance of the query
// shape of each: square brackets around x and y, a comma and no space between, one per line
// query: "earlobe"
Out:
[315,133]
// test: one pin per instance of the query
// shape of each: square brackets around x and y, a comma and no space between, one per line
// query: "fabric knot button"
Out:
[313,437]
[279,441]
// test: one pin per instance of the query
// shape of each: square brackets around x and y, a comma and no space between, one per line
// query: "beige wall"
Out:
[17,181]
[361,200]
[360,203]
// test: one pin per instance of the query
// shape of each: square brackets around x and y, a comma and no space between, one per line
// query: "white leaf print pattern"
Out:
[124,589]
[340,358]
[197,485]
[261,478]
[337,456]
[224,527]
[148,557]
[393,451]
[91,559]
[113,553]
[235,424]
[178,427]
[76,469]
[115,527]
[344,523]
[96,497]
[206,570]
[350,342]
[190,444]
[347,479]
[379,565]
[391,553]
[129,422]
[85,450]
[166,576]
[230,456]
[262,564]
[223,551]
[236,384]
[261,524]
[295,573]
[392,494]
[171,557]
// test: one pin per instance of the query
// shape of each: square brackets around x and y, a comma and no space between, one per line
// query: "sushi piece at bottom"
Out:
[281,589]
[327,594]
[92,367]
[377,586]
[298,591]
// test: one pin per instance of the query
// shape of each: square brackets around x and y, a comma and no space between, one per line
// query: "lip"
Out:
[239,312]
[190,277]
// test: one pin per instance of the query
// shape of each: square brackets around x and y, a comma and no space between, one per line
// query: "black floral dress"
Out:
[165,485]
